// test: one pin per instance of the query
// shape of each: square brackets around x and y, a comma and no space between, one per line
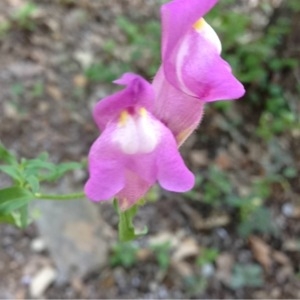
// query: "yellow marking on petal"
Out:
[123,117]
[183,135]
[143,112]
[199,24]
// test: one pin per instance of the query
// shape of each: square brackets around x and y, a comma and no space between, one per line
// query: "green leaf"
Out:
[207,256]
[126,228]
[66,167]
[24,220]
[124,254]
[12,171]
[59,170]
[13,198]
[44,156]
[33,182]
[249,275]
[162,254]
[34,165]
[18,218]
[6,156]
[259,220]
[7,219]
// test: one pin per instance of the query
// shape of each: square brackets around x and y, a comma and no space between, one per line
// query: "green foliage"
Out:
[294,5]
[216,187]
[195,285]
[17,90]
[253,215]
[144,41]
[14,206]
[253,57]
[222,105]
[153,194]
[26,176]
[126,228]
[4,28]
[13,198]
[162,254]
[249,275]
[105,71]
[24,16]
[38,89]
[7,156]
[270,124]
[207,256]
[249,57]
[259,220]
[290,172]
[29,173]
[123,254]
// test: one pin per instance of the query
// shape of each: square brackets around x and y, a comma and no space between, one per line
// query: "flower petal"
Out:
[180,112]
[201,72]
[208,33]
[178,16]
[172,173]
[116,173]
[137,92]
[134,190]
[106,170]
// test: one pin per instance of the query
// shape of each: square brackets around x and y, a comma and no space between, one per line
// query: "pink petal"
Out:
[180,112]
[202,72]
[134,190]
[163,164]
[137,92]
[115,173]
[105,169]
[178,16]
[172,173]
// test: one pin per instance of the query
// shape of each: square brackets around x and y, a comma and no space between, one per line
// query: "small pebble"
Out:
[41,281]
[207,270]
[288,209]
[38,245]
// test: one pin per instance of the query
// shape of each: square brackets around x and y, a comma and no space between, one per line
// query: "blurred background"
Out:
[236,234]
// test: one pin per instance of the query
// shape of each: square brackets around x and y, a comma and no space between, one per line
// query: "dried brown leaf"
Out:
[261,251]
[224,266]
[187,248]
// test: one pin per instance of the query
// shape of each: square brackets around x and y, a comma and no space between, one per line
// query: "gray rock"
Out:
[76,236]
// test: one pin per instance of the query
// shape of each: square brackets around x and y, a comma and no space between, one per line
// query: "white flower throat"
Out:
[137,132]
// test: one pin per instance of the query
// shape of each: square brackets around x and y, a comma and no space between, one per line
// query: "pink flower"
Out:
[143,125]
[135,148]
[192,71]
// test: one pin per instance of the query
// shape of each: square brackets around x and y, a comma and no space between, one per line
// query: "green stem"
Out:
[60,197]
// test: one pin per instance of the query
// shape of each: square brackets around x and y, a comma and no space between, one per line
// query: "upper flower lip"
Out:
[178,17]
[191,53]
[137,91]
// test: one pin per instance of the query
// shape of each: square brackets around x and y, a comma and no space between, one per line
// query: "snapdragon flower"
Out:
[192,71]
[135,148]
[143,125]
